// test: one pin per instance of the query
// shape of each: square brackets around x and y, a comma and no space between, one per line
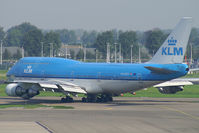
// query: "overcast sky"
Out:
[98,14]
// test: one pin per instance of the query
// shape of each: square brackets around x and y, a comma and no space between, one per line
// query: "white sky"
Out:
[98,14]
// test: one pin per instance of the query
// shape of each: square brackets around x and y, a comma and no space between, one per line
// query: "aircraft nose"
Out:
[187,69]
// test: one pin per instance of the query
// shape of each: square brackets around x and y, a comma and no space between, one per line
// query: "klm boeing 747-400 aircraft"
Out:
[101,81]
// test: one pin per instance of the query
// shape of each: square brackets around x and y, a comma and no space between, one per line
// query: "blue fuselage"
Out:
[38,67]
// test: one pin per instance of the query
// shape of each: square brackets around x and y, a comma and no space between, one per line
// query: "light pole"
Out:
[84,53]
[115,52]
[42,49]
[131,53]
[51,49]
[66,51]
[191,53]
[96,54]
[139,55]
[22,52]
[120,53]
[1,52]
[108,53]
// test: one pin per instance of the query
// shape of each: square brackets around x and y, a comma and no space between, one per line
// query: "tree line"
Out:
[33,39]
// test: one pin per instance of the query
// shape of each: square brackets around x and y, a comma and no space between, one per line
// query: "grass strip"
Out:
[33,106]
[62,107]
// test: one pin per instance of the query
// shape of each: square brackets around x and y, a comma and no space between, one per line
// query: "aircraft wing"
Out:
[54,84]
[179,82]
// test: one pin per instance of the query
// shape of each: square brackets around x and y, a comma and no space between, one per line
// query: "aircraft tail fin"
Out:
[174,47]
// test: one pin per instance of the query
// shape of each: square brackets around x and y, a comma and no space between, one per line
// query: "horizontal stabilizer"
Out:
[159,70]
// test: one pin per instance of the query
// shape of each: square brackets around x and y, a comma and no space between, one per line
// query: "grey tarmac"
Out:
[123,115]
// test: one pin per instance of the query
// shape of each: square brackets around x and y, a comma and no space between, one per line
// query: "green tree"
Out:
[51,38]
[102,40]
[194,41]
[126,39]
[6,54]
[16,34]
[32,42]
[154,39]
[194,36]
[2,33]
[89,38]
[67,36]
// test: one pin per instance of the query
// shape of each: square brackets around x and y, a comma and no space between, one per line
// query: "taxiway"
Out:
[123,115]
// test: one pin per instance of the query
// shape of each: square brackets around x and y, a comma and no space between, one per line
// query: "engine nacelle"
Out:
[170,89]
[16,90]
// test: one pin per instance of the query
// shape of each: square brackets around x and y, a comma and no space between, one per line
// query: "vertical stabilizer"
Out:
[174,47]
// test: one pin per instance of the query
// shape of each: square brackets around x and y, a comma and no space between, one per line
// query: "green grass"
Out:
[191,76]
[2,90]
[189,91]
[3,71]
[26,106]
[33,106]
[3,74]
[62,107]
[48,93]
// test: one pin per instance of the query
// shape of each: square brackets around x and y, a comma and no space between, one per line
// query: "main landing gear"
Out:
[102,98]
[67,99]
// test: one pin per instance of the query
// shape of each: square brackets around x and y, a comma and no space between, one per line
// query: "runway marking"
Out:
[182,112]
[108,108]
[45,127]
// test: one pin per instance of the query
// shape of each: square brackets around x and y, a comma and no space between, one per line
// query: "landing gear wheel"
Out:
[110,99]
[63,100]
[90,99]
[67,100]
[84,99]
[105,98]
[99,99]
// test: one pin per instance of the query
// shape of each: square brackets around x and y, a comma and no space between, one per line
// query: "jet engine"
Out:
[170,89]
[17,90]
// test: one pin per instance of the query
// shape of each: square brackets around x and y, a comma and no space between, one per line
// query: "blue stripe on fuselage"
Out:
[44,67]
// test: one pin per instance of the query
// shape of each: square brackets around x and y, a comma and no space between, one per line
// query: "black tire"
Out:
[70,99]
[110,99]
[99,99]
[84,99]
[63,100]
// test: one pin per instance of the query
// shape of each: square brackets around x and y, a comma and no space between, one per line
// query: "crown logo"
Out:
[172,41]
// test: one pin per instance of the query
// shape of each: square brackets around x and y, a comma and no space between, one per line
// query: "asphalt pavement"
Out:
[123,115]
